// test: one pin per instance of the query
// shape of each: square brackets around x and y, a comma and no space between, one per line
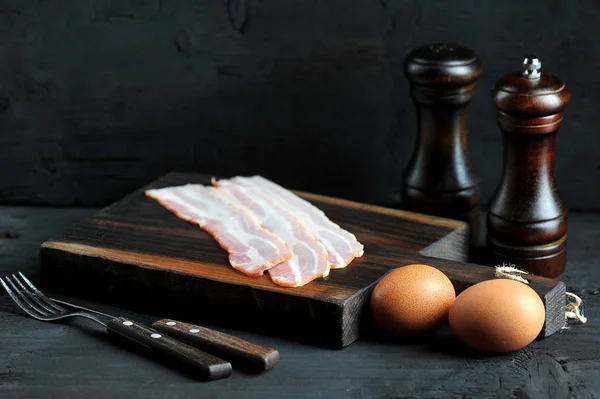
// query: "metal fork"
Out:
[37,305]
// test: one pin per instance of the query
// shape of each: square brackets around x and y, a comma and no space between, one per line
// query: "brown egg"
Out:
[497,315]
[412,299]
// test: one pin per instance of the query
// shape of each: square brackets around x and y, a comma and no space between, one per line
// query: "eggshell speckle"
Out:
[412,299]
[497,316]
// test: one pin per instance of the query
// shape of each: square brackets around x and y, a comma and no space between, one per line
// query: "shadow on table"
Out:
[441,341]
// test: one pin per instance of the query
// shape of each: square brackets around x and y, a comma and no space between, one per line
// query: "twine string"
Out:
[511,272]
[573,308]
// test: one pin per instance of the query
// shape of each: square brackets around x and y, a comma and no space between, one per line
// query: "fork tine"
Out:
[34,296]
[19,302]
[26,298]
[41,295]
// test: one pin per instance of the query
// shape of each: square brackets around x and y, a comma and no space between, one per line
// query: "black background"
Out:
[100,97]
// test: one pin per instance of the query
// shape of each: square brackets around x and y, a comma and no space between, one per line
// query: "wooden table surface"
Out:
[78,359]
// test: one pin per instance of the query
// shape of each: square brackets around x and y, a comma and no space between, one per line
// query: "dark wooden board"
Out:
[135,252]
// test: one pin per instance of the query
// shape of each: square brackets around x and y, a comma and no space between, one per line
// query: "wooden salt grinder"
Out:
[440,178]
[527,220]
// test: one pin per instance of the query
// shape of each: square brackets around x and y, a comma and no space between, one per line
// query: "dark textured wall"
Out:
[99,97]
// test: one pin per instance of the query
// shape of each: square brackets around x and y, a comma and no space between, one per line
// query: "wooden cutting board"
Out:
[137,253]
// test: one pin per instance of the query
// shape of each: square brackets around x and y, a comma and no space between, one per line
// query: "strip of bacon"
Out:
[342,246]
[252,249]
[310,256]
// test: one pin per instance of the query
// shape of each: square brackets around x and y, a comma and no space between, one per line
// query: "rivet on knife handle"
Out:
[240,353]
[206,366]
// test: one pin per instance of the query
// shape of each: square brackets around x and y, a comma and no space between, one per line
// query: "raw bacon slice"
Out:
[342,246]
[310,256]
[252,249]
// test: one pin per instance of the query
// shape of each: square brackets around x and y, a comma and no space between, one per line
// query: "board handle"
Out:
[203,366]
[240,353]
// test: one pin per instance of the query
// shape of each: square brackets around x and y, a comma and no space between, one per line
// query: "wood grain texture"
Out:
[137,252]
[242,354]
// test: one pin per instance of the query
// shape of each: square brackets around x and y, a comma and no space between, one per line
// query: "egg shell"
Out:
[497,315]
[412,299]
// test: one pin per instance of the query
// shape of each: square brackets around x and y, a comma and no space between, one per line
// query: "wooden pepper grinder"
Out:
[527,220]
[440,178]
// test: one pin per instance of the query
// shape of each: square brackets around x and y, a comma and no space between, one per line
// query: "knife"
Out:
[205,366]
[242,354]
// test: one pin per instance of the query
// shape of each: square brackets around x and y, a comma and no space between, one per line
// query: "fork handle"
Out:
[203,365]
[240,353]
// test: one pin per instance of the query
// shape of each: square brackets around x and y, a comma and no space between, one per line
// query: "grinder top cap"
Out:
[442,64]
[530,93]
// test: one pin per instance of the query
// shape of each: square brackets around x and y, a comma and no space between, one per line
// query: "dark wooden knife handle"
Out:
[240,353]
[203,365]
